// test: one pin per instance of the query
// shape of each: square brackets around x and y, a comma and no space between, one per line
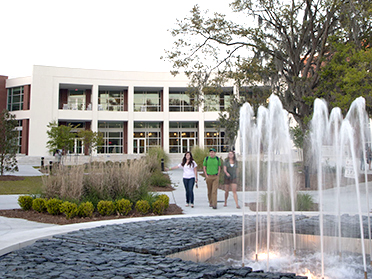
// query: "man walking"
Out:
[212,168]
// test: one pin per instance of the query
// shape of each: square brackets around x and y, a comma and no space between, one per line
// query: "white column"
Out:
[201,127]
[237,142]
[166,119]
[130,118]
[94,101]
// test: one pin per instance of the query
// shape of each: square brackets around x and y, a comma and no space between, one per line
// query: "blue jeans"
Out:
[189,187]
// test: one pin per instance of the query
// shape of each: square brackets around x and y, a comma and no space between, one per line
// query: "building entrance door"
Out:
[139,146]
[187,144]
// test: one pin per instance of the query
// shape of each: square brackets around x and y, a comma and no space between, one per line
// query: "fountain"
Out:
[339,229]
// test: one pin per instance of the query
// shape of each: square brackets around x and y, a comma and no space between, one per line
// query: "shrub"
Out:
[123,206]
[158,207]
[85,209]
[305,202]
[38,205]
[159,179]
[69,209]
[25,202]
[199,154]
[165,199]
[159,154]
[53,206]
[143,206]
[149,197]
[106,208]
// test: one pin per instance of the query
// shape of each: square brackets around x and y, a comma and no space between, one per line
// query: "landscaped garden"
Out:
[98,191]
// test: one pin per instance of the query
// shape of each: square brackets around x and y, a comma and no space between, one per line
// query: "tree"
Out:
[284,49]
[60,137]
[90,139]
[346,76]
[8,142]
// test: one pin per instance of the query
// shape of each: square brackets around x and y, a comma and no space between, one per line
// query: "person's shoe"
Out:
[187,205]
[192,206]
[238,207]
[210,205]
[225,205]
[214,207]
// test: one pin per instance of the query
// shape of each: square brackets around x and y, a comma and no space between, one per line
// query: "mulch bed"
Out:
[32,215]
[47,218]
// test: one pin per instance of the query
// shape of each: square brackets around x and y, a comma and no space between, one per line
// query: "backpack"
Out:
[206,159]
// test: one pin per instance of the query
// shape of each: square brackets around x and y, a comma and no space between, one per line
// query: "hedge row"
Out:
[86,209]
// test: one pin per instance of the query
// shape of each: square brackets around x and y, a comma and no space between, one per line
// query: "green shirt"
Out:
[212,165]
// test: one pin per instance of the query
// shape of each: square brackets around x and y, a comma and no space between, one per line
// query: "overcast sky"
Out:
[110,35]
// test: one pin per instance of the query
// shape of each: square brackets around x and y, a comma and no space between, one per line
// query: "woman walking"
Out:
[230,168]
[190,176]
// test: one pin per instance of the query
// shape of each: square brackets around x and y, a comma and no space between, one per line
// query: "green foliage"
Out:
[8,142]
[25,202]
[106,208]
[199,154]
[53,206]
[143,206]
[85,209]
[346,76]
[159,154]
[158,207]
[69,209]
[123,206]
[90,139]
[305,202]
[149,197]
[165,199]
[39,205]
[159,179]
[60,137]
[297,136]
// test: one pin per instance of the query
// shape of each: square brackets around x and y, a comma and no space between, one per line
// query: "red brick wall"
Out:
[3,93]
[25,136]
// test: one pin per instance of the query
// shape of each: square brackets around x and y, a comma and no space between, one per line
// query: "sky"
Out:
[108,35]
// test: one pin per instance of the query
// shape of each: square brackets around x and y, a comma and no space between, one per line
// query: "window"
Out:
[146,135]
[218,101]
[179,100]
[15,98]
[214,138]
[111,100]
[19,138]
[147,100]
[76,99]
[112,137]
[182,136]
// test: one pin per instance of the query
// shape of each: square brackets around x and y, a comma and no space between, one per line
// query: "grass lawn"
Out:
[30,185]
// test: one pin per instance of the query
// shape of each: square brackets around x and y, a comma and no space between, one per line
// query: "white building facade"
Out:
[133,110]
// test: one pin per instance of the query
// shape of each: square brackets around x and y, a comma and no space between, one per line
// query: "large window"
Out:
[214,137]
[15,98]
[146,135]
[112,137]
[182,136]
[218,101]
[19,138]
[147,100]
[179,100]
[76,99]
[111,100]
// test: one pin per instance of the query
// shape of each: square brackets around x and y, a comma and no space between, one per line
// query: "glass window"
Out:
[76,99]
[182,136]
[179,100]
[112,137]
[214,138]
[15,98]
[147,100]
[111,100]
[146,135]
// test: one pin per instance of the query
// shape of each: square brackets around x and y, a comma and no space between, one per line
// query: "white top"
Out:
[188,171]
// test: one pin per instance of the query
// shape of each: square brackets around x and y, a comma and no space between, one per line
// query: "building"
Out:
[133,110]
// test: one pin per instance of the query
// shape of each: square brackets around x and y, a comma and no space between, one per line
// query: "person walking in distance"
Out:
[190,176]
[230,168]
[212,168]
